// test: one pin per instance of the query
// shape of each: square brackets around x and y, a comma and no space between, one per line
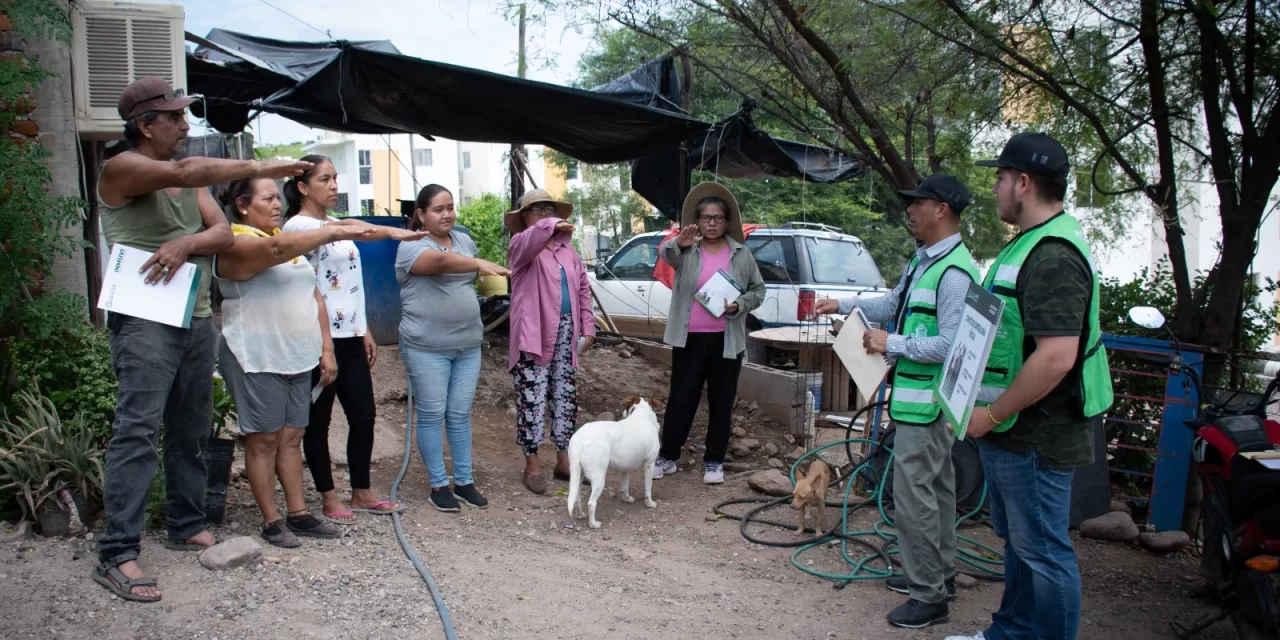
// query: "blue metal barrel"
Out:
[381,291]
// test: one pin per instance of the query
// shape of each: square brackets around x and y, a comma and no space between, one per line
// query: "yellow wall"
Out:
[554,176]
[386,182]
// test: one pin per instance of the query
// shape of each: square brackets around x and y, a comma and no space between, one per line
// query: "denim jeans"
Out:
[165,373]
[444,384]
[1031,510]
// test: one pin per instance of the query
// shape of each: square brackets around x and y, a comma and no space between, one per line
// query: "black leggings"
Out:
[354,389]
[701,360]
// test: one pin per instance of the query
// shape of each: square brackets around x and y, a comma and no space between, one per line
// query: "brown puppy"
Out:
[811,493]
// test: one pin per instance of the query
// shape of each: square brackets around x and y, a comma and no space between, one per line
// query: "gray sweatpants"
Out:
[924,503]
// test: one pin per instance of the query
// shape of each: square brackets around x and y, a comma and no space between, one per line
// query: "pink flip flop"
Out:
[333,516]
[376,509]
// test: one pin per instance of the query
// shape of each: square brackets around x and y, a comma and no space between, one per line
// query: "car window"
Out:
[842,262]
[636,260]
[776,257]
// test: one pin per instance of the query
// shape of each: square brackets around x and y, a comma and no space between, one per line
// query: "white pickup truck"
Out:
[798,261]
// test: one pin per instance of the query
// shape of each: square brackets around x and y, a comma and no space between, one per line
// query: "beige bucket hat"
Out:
[514,220]
[733,217]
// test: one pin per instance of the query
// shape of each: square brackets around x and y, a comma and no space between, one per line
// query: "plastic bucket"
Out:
[492,286]
[812,381]
[218,456]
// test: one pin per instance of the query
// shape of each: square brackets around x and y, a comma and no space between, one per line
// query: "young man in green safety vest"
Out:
[925,309]
[1046,379]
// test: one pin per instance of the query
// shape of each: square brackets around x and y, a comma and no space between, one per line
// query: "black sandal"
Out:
[111,577]
[308,525]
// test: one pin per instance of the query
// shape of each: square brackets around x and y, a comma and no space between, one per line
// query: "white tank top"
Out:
[271,321]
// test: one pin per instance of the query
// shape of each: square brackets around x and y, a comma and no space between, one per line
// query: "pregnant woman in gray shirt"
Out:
[440,335]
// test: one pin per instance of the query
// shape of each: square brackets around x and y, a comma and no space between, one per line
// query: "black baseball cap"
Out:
[1034,153]
[943,188]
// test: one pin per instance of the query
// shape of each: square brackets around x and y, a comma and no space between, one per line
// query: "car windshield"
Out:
[837,261]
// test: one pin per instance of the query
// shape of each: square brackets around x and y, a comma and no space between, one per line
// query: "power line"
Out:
[322,31]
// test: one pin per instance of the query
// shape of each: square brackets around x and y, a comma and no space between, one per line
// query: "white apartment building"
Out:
[376,172]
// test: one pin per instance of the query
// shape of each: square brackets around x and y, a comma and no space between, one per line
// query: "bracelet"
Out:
[992,417]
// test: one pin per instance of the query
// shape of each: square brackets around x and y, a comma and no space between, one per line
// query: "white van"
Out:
[798,261]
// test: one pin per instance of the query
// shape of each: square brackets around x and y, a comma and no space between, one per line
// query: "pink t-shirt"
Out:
[701,320]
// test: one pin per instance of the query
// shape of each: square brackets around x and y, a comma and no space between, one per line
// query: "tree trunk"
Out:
[55,115]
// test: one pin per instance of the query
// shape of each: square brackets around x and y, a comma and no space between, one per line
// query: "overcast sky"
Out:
[472,33]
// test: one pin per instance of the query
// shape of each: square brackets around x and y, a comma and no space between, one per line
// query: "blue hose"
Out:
[445,620]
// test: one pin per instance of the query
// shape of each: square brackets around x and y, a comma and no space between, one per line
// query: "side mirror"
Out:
[602,273]
[1147,317]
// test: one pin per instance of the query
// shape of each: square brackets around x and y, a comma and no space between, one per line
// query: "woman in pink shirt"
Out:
[550,310]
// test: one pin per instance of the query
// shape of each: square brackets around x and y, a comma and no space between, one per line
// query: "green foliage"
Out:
[483,216]
[38,19]
[273,151]
[69,360]
[41,454]
[224,407]
[605,201]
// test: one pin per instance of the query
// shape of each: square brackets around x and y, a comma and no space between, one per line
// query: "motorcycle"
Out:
[1237,453]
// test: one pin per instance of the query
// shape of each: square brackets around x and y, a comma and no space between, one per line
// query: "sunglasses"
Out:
[166,97]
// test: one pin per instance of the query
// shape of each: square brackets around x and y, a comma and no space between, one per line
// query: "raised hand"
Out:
[826,305]
[490,269]
[687,237]
[280,169]
[563,226]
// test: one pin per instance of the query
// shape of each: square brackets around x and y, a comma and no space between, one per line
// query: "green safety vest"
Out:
[913,382]
[1093,374]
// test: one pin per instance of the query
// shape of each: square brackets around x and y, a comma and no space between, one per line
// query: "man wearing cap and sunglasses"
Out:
[1046,379]
[925,310]
[149,201]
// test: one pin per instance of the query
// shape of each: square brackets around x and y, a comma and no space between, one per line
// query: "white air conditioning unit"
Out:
[115,43]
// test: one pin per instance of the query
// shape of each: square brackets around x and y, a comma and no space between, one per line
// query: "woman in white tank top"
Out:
[275,329]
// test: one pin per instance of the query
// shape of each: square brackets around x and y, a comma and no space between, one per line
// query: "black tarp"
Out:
[732,148]
[372,88]
[369,87]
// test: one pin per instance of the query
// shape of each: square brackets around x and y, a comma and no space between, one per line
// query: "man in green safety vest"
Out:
[925,309]
[1046,379]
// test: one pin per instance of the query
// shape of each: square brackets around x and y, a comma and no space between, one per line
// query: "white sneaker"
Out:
[713,473]
[976,636]
[663,468]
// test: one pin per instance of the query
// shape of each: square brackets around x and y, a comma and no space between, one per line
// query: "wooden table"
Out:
[814,344]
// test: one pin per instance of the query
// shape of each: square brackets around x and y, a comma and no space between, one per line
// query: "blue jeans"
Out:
[1031,510]
[444,384]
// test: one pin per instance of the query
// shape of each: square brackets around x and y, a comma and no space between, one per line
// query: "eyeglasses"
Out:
[542,209]
[166,97]
[711,219]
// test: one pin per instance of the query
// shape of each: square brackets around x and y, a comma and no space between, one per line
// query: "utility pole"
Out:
[517,159]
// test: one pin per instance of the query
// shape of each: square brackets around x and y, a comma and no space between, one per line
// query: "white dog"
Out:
[629,444]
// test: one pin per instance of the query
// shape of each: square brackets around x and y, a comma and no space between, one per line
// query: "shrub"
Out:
[41,454]
[483,216]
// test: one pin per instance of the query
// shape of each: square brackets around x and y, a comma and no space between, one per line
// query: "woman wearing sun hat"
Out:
[706,349]
[550,310]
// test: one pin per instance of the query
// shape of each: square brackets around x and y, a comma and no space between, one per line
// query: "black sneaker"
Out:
[898,584]
[918,615]
[469,496]
[442,499]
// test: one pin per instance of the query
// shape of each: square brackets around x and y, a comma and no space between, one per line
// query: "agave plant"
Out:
[42,455]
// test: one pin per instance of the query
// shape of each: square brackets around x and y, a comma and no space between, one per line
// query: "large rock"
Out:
[966,581]
[1116,526]
[1164,541]
[796,453]
[743,447]
[775,463]
[1119,506]
[771,482]
[739,432]
[770,449]
[236,552]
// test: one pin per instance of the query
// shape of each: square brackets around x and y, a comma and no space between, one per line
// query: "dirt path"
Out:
[518,570]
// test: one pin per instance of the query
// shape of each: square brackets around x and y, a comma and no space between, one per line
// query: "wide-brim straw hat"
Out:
[733,217]
[515,219]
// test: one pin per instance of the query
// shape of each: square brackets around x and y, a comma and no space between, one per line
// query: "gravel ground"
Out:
[522,569]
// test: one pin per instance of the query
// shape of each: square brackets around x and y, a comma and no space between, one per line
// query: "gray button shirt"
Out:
[952,289]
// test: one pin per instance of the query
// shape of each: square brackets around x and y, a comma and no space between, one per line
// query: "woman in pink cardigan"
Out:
[550,310]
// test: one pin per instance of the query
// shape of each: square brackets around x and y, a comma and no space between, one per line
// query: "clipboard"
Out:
[867,370]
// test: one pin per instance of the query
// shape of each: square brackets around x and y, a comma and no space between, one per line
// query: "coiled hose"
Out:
[445,620]
[986,563]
